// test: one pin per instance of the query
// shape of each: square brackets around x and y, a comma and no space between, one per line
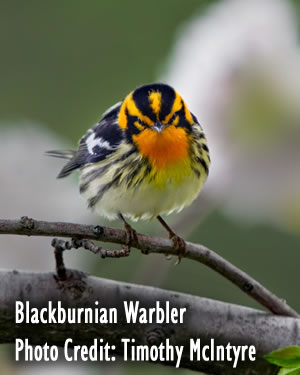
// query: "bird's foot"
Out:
[178,242]
[131,234]
[179,246]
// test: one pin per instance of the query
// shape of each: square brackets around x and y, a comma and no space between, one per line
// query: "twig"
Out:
[59,260]
[60,246]
[148,244]
[90,246]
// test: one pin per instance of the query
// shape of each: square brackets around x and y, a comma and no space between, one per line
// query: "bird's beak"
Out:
[158,127]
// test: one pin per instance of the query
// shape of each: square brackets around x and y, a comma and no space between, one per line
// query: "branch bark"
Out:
[204,319]
[199,253]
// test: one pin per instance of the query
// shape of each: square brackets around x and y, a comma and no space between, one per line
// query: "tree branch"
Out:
[204,319]
[147,244]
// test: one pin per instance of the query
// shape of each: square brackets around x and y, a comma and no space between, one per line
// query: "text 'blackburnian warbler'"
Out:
[146,157]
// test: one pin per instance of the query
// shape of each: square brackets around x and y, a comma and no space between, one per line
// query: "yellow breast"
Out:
[163,149]
[167,152]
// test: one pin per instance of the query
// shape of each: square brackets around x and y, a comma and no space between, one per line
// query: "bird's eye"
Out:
[174,119]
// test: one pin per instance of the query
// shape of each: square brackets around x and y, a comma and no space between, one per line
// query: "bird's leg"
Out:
[131,235]
[179,243]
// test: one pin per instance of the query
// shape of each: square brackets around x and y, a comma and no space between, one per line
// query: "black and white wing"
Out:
[99,142]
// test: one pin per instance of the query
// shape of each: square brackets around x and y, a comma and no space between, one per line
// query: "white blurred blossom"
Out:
[29,187]
[238,68]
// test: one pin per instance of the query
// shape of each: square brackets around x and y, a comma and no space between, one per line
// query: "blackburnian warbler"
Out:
[146,157]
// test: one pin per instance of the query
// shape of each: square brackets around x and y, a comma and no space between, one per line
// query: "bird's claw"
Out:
[131,236]
[179,245]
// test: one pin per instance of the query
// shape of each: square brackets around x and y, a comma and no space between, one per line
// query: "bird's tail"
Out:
[65,154]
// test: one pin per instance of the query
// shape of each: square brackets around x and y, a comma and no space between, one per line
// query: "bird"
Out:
[146,157]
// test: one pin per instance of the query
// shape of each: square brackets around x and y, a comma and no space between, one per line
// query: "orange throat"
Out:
[163,149]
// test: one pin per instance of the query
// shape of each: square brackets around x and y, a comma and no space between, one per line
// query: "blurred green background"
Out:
[63,63]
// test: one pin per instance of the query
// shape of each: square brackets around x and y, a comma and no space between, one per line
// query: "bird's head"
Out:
[157,120]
